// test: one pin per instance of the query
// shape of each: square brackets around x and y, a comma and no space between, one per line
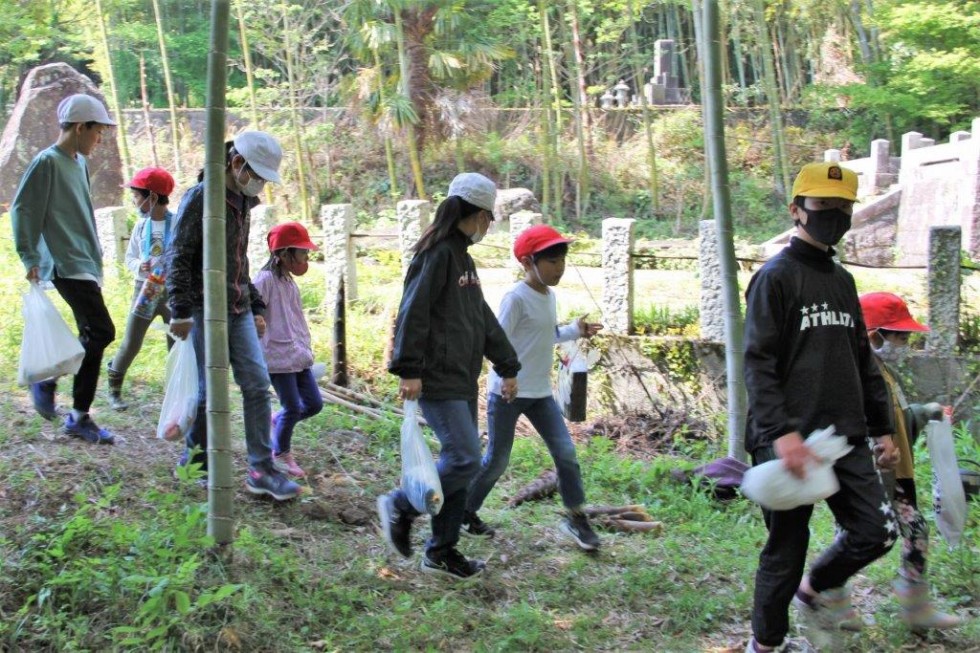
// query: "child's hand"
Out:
[508,389]
[792,450]
[887,454]
[588,329]
[260,325]
[410,389]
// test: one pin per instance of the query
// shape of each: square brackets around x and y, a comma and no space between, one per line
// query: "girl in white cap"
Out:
[252,160]
[443,331]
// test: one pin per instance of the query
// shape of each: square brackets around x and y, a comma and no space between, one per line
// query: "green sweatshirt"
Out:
[53,220]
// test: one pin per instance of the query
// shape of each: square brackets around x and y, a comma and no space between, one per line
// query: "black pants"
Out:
[868,531]
[95,332]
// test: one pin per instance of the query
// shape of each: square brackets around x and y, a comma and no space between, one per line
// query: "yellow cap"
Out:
[826,180]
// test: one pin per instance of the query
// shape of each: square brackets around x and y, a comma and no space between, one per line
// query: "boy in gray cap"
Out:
[55,236]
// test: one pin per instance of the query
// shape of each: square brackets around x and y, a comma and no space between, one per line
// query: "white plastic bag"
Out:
[773,487]
[420,478]
[48,349]
[180,395]
[948,499]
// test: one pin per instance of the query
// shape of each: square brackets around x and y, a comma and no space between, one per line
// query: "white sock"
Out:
[78,414]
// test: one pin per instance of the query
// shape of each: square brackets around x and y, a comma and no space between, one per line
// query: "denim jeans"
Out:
[868,531]
[95,332]
[300,397]
[546,418]
[136,328]
[251,375]
[454,423]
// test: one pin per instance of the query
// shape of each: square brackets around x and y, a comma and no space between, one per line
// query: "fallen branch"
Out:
[627,526]
[542,487]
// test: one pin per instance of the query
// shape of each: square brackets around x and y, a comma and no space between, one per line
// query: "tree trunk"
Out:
[554,102]
[114,95]
[772,97]
[581,117]
[253,102]
[150,135]
[168,81]
[414,158]
[652,180]
[389,151]
[221,490]
[714,128]
[295,122]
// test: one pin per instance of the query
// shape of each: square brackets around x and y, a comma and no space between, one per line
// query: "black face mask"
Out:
[827,226]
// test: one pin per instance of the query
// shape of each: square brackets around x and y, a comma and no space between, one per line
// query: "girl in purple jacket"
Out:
[286,343]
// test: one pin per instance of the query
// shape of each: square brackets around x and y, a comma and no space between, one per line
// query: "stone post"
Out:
[617,273]
[262,218]
[520,221]
[958,137]
[339,261]
[831,155]
[712,299]
[110,223]
[944,289]
[910,141]
[413,217]
[881,170]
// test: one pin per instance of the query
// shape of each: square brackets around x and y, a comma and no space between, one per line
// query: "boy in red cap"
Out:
[889,324]
[808,365]
[286,342]
[528,315]
[150,189]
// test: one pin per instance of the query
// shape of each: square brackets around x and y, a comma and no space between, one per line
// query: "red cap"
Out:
[535,239]
[885,310]
[156,180]
[289,234]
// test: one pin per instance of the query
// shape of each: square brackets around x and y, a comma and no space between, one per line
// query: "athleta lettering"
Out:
[818,315]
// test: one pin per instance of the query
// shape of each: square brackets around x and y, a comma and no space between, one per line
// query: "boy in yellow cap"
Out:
[808,365]
[889,323]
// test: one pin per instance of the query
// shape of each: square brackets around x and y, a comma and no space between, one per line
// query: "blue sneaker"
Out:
[266,479]
[43,395]
[87,430]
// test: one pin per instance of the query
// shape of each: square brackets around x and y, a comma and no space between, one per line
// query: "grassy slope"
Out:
[96,540]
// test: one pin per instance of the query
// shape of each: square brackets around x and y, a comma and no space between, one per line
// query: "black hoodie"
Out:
[444,326]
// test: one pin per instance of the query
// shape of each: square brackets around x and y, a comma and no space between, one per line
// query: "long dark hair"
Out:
[230,153]
[274,264]
[450,212]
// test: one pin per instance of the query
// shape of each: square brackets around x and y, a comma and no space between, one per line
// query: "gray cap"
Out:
[262,153]
[475,189]
[83,108]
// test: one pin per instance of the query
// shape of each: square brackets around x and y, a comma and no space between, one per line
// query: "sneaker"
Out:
[450,562]
[268,480]
[476,527]
[287,462]
[838,601]
[43,396]
[396,526]
[819,623]
[87,430]
[577,527]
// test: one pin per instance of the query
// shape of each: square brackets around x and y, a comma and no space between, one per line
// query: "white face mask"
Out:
[137,205]
[251,188]
[477,236]
[890,352]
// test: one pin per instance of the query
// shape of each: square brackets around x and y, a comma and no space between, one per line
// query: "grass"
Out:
[101,549]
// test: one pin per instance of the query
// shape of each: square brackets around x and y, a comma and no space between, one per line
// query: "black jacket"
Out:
[444,326]
[185,256]
[808,362]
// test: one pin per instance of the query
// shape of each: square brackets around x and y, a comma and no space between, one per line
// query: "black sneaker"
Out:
[577,527]
[450,562]
[85,429]
[396,526]
[476,527]
[268,480]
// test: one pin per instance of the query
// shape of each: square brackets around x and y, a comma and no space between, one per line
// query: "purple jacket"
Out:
[286,342]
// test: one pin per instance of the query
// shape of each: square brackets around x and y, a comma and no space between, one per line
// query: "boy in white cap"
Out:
[55,235]
[808,365]
[252,159]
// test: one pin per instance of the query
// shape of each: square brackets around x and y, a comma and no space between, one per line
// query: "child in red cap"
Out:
[528,315]
[286,342]
[150,189]
[889,323]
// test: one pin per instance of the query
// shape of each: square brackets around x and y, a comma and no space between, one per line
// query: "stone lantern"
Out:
[607,99]
[622,94]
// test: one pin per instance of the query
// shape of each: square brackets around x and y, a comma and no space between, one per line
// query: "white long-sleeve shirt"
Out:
[530,320]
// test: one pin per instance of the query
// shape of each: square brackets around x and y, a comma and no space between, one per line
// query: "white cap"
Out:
[262,153]
[82,108]
[475,189]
